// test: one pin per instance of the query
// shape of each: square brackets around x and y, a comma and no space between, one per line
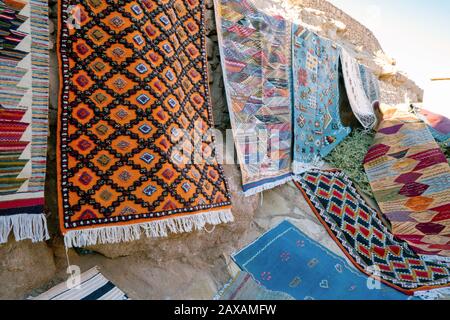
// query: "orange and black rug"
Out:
[135,148]
[363,237]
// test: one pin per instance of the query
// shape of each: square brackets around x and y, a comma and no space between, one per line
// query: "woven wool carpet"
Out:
[92,286]
[437,124]
[286,260]
[361,92]
[410,178]
[23,118]
[317,125]
[244,287]
[362,236]
[134,118]
[255,53]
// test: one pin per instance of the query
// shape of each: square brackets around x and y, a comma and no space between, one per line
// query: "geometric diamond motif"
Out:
[430,228]
[124,176]
[103,160]
[85,178]
[419,203]
[150,190]
[147,157]
[413,189]
[145,128]
[143,99]
[141,68]
[408,177]
[186,187]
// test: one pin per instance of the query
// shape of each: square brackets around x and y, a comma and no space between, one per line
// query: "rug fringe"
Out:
[152,229]
[267,186]
[434,294]
[302,167]
[436,259]
[24,226]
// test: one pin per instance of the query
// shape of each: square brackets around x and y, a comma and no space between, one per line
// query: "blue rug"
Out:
[286,260]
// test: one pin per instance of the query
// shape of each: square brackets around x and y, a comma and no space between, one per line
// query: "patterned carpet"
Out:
[410,178]
[136,153]
[362,236]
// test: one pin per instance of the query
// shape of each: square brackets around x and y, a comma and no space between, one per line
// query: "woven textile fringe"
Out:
[152,229]
[267,186]
[301,167]
[436,259]
[24,226]
[435,294]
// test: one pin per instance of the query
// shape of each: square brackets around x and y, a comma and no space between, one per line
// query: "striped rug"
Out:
[24,69]
[93,286]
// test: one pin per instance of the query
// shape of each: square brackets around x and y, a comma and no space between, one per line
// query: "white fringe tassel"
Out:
[267,186]
[301,167]
[436,259]
[434,294]
[24,226]
[152,229]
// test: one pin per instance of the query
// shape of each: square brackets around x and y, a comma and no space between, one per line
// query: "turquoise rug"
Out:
[286,260]
[317,124]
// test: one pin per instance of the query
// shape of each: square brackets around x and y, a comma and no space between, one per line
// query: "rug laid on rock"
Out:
[437,124]
[363,237]
[244,287]
[317,125]
[286,260]
[410,179]
[135,148]
[361,90]
[92,285]
[255,52]
[24,69]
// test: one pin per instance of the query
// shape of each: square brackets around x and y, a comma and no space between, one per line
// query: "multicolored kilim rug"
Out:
[437,124]
[362,236]
[136,152]
[256,59]
[23,118]
[410,178]
[317,125]
[361,92]
[286,260]
[93,286]
[244,287]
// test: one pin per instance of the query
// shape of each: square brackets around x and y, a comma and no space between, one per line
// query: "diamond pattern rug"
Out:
[135,145]
[410,178]
[364,239]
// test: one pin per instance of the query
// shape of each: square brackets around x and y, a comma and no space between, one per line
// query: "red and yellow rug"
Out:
[135,149]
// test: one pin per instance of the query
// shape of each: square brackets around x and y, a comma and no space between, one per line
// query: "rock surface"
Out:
[23,267]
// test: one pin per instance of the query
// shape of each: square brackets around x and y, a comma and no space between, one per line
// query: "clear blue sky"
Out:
[414,32]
